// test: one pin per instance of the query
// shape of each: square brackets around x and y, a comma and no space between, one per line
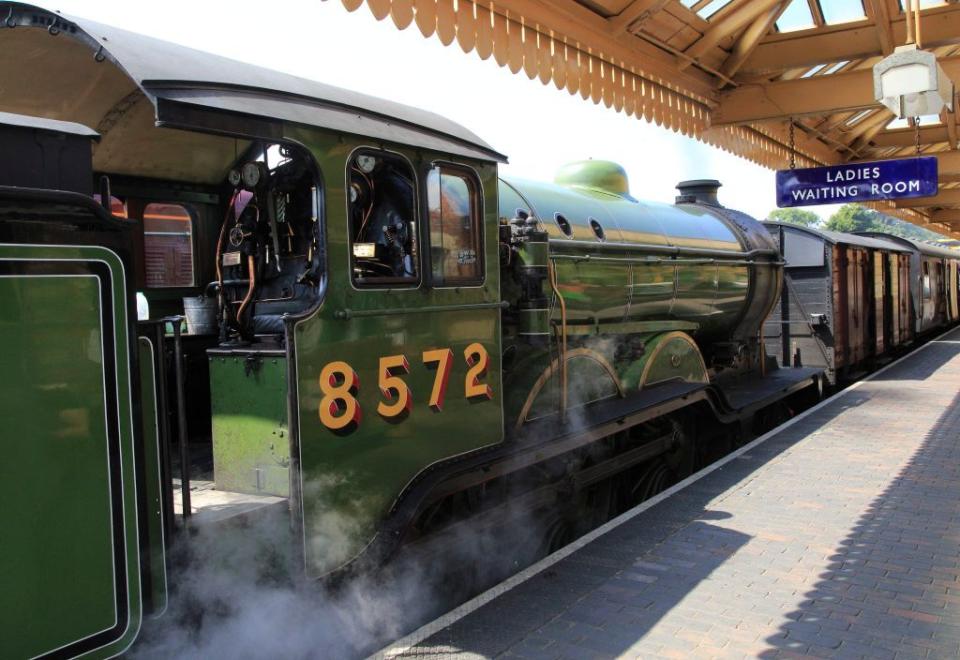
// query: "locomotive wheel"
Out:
[560,532]
[654,479]
[683,457]
[679,461]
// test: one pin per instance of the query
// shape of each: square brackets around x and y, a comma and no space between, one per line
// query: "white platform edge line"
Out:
[404,644]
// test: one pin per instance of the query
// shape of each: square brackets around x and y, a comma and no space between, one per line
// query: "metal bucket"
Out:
[201,313]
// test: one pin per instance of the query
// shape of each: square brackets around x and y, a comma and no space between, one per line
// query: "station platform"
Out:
[835,535]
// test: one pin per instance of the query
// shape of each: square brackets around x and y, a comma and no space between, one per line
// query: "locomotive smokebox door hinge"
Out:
[251,365]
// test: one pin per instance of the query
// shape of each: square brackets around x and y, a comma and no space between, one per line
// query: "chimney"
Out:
[698,191]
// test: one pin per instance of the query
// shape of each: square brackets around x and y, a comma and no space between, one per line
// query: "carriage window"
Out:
[926,280]
[383,229]
[168,245]
[456,252]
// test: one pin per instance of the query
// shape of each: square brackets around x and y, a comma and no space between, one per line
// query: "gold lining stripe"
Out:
[554,366]
[667,338]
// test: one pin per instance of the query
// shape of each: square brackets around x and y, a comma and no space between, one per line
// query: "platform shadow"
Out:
[596,603]
[609,595]
[891,586]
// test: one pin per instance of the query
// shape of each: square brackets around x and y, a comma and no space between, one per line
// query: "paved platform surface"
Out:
[838,536]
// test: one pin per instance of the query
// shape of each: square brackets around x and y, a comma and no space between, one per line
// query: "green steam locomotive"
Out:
[381,338]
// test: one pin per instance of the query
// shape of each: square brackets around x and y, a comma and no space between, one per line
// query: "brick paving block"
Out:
[526,652]
[914,615]
[566,651]
[851,649]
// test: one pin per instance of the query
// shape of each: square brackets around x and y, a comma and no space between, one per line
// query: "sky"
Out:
[538,127]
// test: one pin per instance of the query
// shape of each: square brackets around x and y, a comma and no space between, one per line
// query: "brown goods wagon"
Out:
[844,303]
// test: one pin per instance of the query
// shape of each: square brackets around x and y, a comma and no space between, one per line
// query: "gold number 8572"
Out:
[340,385]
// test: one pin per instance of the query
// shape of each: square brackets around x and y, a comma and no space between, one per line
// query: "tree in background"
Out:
[794,217]
[853,217]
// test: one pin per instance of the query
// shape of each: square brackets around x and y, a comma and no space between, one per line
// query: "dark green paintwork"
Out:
[533,256]
[350,481]
[251,440]
[58,582]
[669,356]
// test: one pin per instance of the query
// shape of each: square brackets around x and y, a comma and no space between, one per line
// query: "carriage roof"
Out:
[874,241]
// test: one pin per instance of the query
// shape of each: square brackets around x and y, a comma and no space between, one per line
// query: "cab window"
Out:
[382,216]
[168,245]
[456,250]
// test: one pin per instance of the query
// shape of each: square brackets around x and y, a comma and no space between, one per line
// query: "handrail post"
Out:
[182,435]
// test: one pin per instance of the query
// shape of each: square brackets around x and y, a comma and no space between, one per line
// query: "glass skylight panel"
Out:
[857,117]
[842,11]
[712,8]
[814,71]
[688,3]
[833,68]
[926,120]
[796,17]
[924,4]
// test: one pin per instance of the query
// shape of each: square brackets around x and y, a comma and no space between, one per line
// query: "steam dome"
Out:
[603,175]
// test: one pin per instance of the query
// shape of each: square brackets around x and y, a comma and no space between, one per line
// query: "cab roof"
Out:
[73,69]
[48,125]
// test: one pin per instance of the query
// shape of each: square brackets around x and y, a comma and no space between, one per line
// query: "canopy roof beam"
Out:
[760,26]
[879,11]
[948,164]
[906,137]
[870,128]
[944,198]
[848,41]
[816,95]
[946,217]
[743,13]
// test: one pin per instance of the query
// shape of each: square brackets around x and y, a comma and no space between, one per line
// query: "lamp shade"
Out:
[911,83]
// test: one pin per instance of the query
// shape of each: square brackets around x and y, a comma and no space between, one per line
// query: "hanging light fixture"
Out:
[910,82]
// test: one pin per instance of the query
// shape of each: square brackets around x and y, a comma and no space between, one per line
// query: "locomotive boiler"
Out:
[641,292]
[394,340]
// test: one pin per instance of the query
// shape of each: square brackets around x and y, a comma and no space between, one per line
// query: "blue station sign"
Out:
[858,182]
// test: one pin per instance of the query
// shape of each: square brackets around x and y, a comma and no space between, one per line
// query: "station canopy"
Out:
[763,79]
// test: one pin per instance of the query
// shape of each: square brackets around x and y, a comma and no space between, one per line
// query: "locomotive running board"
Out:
[548,438]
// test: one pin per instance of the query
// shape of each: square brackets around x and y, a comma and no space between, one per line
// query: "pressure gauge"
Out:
[234,177]
[366,163]
[251,175]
